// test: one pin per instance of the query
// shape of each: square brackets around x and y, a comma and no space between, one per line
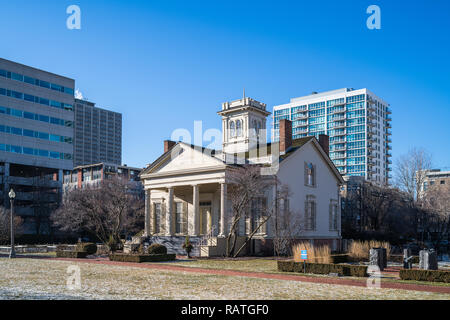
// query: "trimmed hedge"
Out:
[89,247]
[425,275]
[322,268]
[122,257]
[399,258]
[71,254]
[157,248]
[339,258]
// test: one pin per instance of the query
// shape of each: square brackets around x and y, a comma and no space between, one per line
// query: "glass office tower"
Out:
[357,122]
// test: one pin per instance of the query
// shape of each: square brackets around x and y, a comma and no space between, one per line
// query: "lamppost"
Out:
[12,196]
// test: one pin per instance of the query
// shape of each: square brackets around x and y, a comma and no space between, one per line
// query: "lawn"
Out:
[251,265]
[27,278]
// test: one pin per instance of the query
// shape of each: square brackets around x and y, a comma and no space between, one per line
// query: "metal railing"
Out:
[204,241]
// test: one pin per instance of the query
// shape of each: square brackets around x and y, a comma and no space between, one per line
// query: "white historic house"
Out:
[186,187]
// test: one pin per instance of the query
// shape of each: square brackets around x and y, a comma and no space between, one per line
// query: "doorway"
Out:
[205,218]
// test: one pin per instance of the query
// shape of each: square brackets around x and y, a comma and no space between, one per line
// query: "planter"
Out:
[138,258]
[322,268]
[425,275]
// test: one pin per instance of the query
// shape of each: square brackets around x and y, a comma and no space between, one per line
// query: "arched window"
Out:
[232,130]
[239,128]
[310,175]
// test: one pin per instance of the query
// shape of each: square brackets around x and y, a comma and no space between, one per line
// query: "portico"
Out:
[186,209]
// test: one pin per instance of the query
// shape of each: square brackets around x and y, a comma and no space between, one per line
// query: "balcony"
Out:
[388,119]
[388,154]
[371,123]
[389,132]
[299,116]
[370,146]
[338,111]
[388,110]
[388,125]
[388,140]
[388,147]
[339,156]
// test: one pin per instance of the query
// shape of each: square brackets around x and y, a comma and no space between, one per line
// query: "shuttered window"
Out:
[310,213]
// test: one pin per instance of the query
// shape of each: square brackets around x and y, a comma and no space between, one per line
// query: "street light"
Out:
[12,196]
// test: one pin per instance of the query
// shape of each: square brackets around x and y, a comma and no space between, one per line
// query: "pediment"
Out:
[186,157]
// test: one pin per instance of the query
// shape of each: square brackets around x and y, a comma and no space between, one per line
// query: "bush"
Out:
[138,258]
[88,247]
[157,248]
[187,246]
[359,250]
[322,268]
[425,275]
[71,254]
[321,254]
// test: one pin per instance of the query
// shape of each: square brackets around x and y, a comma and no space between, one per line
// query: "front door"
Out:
[205,219]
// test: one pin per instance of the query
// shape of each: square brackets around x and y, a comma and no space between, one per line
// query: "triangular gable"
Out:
[324,156]
[184,157]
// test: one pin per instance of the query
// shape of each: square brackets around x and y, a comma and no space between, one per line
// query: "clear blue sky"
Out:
[165,64]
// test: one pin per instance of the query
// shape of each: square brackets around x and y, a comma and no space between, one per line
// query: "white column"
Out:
[223,208]
[196,204]
[169,214]
[148,208]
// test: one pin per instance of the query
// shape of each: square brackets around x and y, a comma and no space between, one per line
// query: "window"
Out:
[310,213]
[310,175]
[232,129]
[257,212]
[179,219]
[157,217]
[239,128]
[333,215]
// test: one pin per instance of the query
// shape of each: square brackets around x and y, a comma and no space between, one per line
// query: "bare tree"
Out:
[436,220]
[246,186]
[287,224]
[410,171]
[5,226]
[105,211]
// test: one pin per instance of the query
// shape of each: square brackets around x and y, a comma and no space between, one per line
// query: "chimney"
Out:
[285,135]
[168,144]
[324,142]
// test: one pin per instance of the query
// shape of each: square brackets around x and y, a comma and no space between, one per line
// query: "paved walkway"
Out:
[301,278]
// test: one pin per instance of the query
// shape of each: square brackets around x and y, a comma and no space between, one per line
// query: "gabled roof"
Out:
[296,145]
[175,148]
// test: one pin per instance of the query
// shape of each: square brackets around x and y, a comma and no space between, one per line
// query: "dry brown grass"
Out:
[319,254]
[359,250]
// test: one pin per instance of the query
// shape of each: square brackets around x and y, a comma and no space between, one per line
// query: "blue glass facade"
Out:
[357,127]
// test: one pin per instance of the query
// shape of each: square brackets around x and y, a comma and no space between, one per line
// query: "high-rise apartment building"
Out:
[357,122]
[36,140]
[98,135]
